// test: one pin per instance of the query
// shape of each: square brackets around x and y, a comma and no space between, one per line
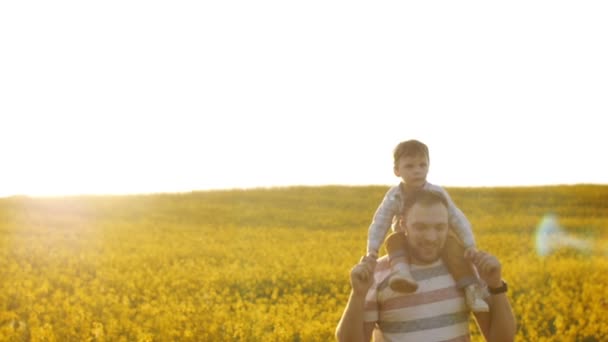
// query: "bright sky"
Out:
[157,96]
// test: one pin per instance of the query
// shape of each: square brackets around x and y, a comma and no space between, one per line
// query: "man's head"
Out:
[411,162]
[425,222]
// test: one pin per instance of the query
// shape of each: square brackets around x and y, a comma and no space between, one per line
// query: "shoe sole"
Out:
[403,286]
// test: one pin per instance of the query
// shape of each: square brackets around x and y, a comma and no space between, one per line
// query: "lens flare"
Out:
[550,237]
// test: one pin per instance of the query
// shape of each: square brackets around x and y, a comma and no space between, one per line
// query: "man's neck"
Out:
[423,263]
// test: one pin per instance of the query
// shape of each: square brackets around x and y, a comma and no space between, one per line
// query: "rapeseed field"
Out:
[272,264]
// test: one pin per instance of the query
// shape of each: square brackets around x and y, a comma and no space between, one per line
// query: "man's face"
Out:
[427,230]
[412,170]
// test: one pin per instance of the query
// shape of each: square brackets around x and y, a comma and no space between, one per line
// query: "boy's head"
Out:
[411,162]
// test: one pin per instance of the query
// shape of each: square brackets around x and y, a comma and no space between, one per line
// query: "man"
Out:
[437,310]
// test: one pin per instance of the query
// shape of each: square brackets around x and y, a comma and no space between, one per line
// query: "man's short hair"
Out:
[423,197]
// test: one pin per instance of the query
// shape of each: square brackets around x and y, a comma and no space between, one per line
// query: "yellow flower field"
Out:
[270,264]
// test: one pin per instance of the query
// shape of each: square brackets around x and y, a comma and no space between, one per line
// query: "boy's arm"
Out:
[458,221]
[382,220]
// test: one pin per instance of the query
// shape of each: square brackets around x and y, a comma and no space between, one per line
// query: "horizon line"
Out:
[269,187]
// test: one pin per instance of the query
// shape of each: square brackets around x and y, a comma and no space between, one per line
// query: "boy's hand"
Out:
[362,275]
[370,260]
[471,249]
[488,266]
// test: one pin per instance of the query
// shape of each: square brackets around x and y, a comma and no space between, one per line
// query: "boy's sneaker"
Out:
[402,281]
[474,299]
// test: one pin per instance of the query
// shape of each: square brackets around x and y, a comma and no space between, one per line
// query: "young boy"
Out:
[411,164]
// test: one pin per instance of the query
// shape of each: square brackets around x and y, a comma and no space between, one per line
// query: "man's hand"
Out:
[362,276]
[488,266]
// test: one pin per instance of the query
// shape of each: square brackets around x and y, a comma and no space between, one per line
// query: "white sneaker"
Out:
[474,299]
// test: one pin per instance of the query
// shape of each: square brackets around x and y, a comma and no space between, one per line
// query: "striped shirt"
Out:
[391,206]
[435,312]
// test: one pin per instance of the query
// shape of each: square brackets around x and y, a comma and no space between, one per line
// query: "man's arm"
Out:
[498,324]
[351,326]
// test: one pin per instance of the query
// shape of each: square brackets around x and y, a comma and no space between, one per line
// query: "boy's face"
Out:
[412,170]
[427,230]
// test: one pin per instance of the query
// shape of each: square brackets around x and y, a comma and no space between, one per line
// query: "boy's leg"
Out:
[453,256]
[401,279]
[463,272]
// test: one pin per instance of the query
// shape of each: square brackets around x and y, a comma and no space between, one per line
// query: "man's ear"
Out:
[396,171]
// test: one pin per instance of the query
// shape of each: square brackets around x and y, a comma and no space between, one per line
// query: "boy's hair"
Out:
[423,197]
[410,148]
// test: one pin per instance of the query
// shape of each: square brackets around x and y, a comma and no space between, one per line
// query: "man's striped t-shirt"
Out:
[435,312]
